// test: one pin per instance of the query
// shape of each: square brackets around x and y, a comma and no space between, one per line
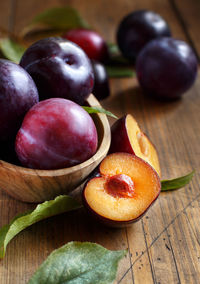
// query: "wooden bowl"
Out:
[30,185]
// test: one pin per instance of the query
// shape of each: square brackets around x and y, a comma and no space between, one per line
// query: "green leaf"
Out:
[113,49]
[11,49]
[60,204]
[99,110]
[118,71]
[172,184]
[79,263]
[116,56]
[59,18]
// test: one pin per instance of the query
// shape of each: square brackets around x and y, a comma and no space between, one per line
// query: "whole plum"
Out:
[56,133]
[166,68]
[59,68]
[137,29]
[91,42]
[101,88]
[18,94]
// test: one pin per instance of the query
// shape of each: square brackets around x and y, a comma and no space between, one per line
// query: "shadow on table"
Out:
[134,101]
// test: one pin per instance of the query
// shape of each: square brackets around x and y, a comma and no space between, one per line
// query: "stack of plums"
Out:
[55,132]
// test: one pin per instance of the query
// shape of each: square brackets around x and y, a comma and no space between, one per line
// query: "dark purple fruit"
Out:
[56,133]
[60,69]
[137,29]
[166,68]
[101,88]
[18,94]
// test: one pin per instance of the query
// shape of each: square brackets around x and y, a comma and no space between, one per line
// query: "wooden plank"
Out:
[158,119]
[188,14]
[156,254]
[185,248]
[5,11]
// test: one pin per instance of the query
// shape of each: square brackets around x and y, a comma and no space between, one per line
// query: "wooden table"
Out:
[163,247]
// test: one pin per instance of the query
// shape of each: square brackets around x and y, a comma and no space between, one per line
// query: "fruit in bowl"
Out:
[37,185]
[59,68]
[56,133]
[101,88]
[125,189]
[18,94]
[137,29]
[166,68]
[126,136]
[91,42]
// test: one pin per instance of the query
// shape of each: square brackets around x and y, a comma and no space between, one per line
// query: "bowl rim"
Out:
[102,150]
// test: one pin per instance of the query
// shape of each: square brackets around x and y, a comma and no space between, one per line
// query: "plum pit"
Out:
[120,185]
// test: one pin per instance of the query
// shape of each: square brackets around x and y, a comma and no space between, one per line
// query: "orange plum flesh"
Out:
[127,137]
[125,190]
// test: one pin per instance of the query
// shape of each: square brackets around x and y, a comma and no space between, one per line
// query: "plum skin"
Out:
[120,141]
[56,133]
[112,223]
[101,89]
[91,42]
[137,29]
[59,68]
[166,68]
[18,94]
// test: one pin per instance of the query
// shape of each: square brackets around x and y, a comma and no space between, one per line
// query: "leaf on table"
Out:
[172,184]
[59,19]
[79,263]
[11,49]
[119,71]
[115,55]
[113,48]
[99,110]
[59,205]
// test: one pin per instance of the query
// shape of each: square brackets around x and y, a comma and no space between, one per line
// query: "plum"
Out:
[137,29]
[18,93]
[166,68]
[91,42]
[59,68]
[56,133]
[124,191]
[101,88]
[126,136]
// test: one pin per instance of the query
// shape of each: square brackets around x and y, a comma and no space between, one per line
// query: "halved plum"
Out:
[126,136]
[125,190]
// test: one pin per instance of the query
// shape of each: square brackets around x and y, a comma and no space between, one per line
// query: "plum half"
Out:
[123,192]
[126,136]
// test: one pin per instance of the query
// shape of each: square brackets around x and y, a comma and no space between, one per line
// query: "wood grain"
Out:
[164,245]
[188,14]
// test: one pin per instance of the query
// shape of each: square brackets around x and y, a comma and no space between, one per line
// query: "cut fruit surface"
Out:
[139,183]
[128,137]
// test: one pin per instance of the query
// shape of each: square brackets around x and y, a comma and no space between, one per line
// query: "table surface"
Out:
[163,247]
